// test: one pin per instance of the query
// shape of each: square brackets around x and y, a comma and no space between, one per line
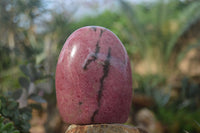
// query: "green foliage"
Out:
[153,86]
[18,40]
[7,127]
[34,84]
[16,117]
[5,60]
[32,72]
[156,29]
[189,95]
[180,120]
[58,28]
[177,113]
[186,18]
[106,19]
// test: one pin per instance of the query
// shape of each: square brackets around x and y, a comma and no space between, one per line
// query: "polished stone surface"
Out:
[93,78]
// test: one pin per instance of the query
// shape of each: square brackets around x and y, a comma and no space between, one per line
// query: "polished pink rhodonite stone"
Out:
[93,78]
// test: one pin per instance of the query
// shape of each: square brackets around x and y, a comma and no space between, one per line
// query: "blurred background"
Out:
[162,38]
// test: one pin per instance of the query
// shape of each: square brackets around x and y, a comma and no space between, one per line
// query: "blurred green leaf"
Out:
[16,94]
[20,117]
[24,82]
[25,117]
[7,126]
[5,112]
[13,106]
[24,69]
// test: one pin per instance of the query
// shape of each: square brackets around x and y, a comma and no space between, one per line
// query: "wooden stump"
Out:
[103,128]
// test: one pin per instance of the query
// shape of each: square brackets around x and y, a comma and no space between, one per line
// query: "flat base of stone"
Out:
[104,128]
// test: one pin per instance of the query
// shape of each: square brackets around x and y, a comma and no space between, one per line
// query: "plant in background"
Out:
[7,127]
[5,60]
[18,37]
[34,84]
[177,113]
[13,118]
[15,110]
[153,86]
[188,95]
[156,28]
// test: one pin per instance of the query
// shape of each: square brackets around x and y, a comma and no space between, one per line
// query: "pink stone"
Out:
[93,78]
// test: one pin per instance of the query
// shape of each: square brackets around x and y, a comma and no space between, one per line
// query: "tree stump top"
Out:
[103,128]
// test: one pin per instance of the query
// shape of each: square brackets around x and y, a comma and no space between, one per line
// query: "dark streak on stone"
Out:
[94,28]
[101,32]
[105,74]
[80,103]
[97,49]
[94,114]
[106,67]
[94,55]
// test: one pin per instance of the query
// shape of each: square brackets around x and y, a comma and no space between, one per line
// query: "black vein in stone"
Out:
[94,114]
[106,67]
[105,74]
[93,56]
[101,32]
[94,28]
